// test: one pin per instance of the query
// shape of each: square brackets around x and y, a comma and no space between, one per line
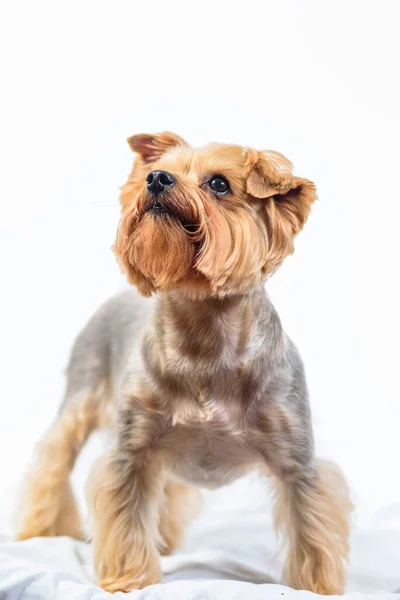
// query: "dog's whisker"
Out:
[105,203]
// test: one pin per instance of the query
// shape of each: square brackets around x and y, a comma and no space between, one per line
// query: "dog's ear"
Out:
[270,176]
[287,200]
[151,146]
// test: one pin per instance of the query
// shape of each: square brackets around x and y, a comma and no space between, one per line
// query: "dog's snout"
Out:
[158,181]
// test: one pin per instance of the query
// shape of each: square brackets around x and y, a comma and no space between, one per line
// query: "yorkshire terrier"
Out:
[199,384]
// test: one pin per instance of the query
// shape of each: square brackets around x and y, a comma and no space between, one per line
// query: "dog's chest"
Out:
[207,444]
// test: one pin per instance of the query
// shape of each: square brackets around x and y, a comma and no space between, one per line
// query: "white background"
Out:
[318,81]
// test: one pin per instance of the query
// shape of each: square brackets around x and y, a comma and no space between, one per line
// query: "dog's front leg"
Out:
[125,493]
[312,513]
[312,504]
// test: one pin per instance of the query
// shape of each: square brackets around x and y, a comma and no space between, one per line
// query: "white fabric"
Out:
[230,548]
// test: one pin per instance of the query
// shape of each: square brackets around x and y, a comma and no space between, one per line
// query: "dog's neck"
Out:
[210,328]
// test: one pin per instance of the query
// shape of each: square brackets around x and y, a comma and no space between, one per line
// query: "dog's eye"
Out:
[219,185]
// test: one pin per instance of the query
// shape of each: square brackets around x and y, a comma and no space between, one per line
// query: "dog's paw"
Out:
[127,583]
[132,580]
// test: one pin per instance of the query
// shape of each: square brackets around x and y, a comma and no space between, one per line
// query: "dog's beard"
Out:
[195,241]
[157,247]
[161,249]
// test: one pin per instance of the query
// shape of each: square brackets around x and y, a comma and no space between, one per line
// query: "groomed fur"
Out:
[48,506]
[313,521]
[224,246]
[199,385]
[123,545]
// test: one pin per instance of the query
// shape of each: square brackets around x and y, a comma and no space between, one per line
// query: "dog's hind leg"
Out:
[181,504]
[47,506]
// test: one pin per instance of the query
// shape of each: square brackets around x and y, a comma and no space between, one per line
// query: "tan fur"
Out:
[123,557]
[313,521]
[238,248]
[48,506]
[126,554]
[203,385]
[181,504]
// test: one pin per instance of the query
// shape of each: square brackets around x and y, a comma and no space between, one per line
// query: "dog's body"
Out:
[198,385]
[209,433]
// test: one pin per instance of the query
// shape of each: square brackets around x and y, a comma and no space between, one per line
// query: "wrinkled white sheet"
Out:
[230,554]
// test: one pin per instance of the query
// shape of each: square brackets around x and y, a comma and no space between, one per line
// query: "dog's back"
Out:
[102,347]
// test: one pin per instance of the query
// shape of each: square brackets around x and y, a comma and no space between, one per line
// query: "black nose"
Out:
[158,181]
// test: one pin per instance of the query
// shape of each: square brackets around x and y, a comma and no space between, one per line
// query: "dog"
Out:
[194,375]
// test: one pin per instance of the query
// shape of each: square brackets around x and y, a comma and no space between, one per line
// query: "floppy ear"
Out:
[271,176]
[288,201]
[151,146]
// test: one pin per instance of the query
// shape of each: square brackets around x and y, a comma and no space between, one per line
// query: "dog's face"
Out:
[212,221]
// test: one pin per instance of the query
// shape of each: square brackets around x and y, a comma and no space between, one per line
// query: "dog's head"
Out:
[212,221]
